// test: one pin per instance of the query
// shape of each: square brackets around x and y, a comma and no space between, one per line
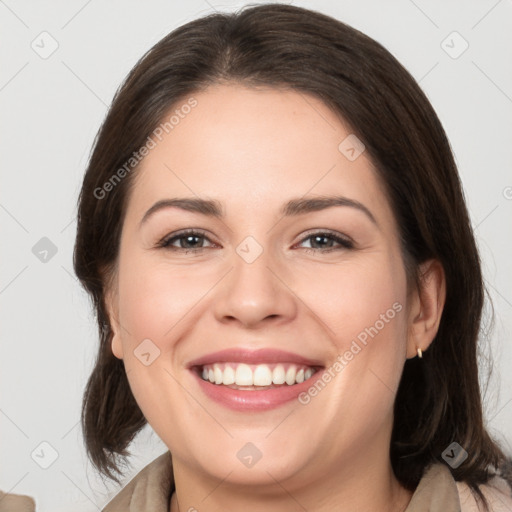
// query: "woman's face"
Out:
[323,284]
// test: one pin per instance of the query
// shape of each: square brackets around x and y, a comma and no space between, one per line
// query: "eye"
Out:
[188,241]
[325,240]
[192,241]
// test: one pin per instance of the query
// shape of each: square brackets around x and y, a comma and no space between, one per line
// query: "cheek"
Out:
[155,300]
[362,307]
[154,303]
[158,302]
[366,311]
[351,297]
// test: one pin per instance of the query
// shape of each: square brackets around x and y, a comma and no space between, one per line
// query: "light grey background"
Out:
[51,109]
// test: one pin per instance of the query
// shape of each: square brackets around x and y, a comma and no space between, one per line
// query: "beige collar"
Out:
[436,491]
[152,487]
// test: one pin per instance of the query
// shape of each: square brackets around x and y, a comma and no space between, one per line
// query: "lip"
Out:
[249,400]
[262,355]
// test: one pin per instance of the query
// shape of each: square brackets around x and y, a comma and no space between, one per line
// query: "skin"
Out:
[253,150]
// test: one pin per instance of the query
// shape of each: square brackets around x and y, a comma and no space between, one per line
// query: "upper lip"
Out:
[262,355]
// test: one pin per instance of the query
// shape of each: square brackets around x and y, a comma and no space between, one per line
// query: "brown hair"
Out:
[438,400]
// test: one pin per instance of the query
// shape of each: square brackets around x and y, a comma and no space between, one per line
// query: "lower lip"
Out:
[250,400]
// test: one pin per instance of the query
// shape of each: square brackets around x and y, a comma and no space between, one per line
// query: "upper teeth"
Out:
[256,375]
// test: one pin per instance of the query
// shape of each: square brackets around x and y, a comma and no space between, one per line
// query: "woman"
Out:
[288,290]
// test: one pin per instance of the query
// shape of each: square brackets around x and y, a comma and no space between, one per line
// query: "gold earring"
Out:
[420,354]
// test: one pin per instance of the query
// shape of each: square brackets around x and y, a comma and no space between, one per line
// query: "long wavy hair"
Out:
[438,400]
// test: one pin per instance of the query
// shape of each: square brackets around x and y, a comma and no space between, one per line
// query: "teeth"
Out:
[278,375]
[241,374]
[217,373]
[262,376]
[290,376]
[229,376]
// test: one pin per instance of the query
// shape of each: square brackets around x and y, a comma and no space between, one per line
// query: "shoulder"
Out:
[148,490]
[496,490]
[16,503]
[438,491]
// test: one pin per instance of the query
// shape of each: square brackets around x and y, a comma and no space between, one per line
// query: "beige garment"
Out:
[16,503]
[151,489]
[437,491]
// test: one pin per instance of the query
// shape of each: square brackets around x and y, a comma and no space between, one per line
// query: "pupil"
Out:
[320,237]
[189,238]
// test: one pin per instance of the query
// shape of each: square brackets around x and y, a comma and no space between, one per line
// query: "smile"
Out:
[256,376]
[254,380]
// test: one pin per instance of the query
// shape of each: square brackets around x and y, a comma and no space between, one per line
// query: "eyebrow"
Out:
[299,206]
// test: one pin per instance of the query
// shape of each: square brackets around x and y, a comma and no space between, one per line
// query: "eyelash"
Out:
[345,243]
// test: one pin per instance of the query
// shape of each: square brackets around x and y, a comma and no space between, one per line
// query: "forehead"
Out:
[249,147]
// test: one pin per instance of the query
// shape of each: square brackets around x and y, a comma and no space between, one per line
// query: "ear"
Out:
[113,315]
[426,308]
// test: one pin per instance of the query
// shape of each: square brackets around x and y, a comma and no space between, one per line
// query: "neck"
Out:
[365,484]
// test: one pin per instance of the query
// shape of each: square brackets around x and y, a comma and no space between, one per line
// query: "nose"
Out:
[255,292]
